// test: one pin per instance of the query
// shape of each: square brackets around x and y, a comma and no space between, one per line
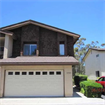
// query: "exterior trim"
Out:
[13,26]
[6,33]
[38,63]
[90,49]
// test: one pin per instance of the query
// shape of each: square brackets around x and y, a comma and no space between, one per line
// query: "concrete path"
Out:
[52,101]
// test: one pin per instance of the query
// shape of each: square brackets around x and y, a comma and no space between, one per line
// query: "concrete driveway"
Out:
[76,99]
[52,101]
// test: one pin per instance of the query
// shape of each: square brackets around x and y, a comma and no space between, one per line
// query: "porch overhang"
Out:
[40,61]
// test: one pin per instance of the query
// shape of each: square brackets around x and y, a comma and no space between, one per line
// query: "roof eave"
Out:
[41,25]
[6,33]
[38,63]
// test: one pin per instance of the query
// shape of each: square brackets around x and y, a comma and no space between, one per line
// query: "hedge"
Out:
[91,89]
[79,78]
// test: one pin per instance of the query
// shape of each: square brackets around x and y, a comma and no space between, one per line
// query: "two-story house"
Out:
[95,63]
[36,60]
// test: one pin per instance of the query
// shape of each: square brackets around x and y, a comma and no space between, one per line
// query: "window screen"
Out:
[62,48]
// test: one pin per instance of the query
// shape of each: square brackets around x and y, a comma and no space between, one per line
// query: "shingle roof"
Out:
[39,61]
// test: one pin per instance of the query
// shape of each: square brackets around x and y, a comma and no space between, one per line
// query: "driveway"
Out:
[52,101]
[76,99]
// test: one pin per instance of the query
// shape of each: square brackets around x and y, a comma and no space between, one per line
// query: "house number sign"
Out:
[68,72]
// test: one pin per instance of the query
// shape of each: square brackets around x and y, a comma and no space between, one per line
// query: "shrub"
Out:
[90,80]
[91,89]
[79,78]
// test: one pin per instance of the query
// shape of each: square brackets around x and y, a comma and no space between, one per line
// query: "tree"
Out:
[103,44]
[80,50]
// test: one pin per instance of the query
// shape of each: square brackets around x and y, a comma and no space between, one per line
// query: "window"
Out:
[17,73]
[51,73]
[101,79]
[31,73]
[1,48]
[44,73]
[30,49]
[24,73]
[97,55]
[97,73]
[37,73]
[58,73]
[62,48]
[10,73]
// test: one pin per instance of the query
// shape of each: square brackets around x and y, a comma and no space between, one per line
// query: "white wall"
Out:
[8,46]
[102,63]
[93,64]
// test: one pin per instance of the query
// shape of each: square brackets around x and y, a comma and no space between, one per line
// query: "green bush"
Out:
[91,89]
[90,80]
[83,77]
[79,78]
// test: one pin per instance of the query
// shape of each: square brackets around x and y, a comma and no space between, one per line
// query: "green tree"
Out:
[80,50]
[103,44]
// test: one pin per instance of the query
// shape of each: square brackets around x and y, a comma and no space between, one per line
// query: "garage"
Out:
[33,83]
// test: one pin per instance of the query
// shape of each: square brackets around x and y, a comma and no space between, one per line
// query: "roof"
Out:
[36,60]
[6,32]
[96,49]
[20,24]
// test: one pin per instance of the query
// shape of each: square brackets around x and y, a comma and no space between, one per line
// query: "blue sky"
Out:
[84,17]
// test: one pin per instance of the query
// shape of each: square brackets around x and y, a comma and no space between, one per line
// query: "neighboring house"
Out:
[37,60]
[95,63]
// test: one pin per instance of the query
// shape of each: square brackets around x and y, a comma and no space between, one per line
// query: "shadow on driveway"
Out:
[75,95]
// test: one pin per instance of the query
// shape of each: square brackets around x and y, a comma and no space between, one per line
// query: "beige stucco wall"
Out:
[8,46]
[93,64]
[1,81]
[68,88]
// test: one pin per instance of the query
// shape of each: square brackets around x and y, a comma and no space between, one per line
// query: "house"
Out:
[36,60]
[95,63]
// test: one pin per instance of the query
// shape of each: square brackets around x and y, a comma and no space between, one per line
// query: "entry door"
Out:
[31,83]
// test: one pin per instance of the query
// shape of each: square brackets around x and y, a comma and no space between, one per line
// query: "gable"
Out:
[92,50]
[17,25]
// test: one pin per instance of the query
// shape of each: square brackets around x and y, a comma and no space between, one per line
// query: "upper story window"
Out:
[62,48]
[30,49]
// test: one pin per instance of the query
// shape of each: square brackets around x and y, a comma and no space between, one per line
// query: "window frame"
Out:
[30,47]
[62,43]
